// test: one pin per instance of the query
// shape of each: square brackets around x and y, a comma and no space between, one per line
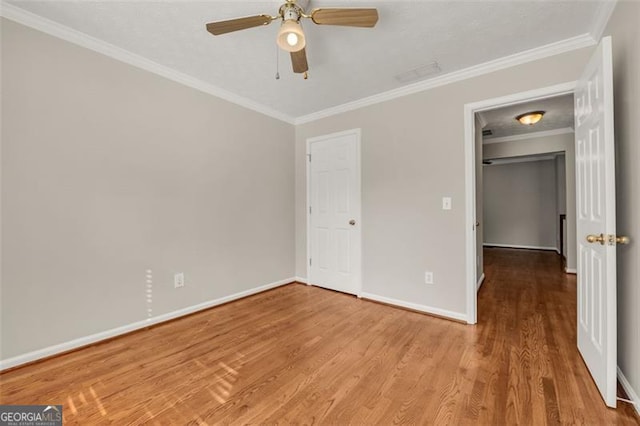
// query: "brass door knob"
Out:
[596,238]
[622,240]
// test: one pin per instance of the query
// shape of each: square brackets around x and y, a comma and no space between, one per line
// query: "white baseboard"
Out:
[302,280]
[103,335]
[516,246]
[416,307]
[480,281]
[571,270]
[633,396]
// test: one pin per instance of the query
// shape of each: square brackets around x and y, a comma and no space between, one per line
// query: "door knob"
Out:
[352,222]
[622,240]
[596,238]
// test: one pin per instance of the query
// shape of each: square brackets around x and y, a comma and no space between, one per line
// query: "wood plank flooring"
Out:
[300,354]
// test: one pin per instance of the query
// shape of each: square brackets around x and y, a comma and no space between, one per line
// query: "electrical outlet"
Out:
[178,280]
[428,277]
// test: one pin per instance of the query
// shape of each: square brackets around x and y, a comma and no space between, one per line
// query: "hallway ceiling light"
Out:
[530,118]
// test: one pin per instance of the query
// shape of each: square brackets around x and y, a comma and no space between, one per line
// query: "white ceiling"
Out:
[346,64]
[502,121]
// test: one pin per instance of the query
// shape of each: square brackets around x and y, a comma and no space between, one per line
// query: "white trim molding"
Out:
[63,32]
[528,136]
[301,280]
[563,46]
[517,246]
[603,15]
[114,332]
[414,306]
[571,271]
[633,395]
[480,281]
[482,120]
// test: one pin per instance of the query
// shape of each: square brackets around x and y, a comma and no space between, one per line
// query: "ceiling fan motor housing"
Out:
[291,12]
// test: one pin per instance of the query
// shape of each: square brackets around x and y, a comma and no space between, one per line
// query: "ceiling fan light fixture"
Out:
[290,36]
[530,118]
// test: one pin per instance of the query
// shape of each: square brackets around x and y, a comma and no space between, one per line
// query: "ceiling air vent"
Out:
[419,73]
[487,132]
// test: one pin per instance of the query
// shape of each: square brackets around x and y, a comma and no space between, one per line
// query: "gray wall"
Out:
[520,204]
[625,31]
[107,171]
[543,145]
[412,156]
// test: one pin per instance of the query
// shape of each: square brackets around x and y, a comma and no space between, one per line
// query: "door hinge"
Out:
[309,209]
[309,155]
[309,261]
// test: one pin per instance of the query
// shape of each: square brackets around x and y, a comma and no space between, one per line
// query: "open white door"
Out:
[596,221]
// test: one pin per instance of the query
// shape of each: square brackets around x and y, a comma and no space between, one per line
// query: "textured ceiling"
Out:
[502,122]
[346,64]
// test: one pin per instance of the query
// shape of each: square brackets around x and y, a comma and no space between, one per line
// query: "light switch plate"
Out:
[428,277]
[446,203]
[178,280]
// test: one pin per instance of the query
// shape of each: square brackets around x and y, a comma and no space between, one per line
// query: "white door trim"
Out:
[358,134]
[470,176]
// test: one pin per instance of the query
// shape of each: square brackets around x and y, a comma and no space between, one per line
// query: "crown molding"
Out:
[567,45]
[63,32]
[603,15]
[58,30]
[527,136]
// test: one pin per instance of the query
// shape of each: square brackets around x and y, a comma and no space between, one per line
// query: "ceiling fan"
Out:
[290,36]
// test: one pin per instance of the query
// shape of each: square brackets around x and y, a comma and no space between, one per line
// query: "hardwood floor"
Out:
[300,354]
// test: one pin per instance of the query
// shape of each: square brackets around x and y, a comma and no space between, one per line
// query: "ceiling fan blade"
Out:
[299,61]
[347,17]
[223,27]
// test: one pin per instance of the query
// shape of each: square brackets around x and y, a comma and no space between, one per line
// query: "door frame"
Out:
[357,132]
[470,110]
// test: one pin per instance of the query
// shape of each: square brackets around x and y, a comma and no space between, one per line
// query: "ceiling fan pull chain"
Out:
[277,63]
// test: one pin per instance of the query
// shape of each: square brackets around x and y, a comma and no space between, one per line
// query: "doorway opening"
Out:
[525,186]
[509,147]
[596,237]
